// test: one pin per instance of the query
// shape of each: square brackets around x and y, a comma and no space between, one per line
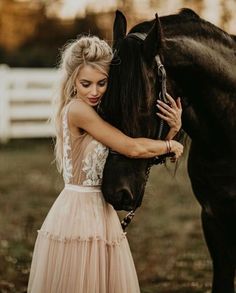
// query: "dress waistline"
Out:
[83,188]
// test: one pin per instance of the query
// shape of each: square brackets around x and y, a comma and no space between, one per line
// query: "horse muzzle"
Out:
[121,199]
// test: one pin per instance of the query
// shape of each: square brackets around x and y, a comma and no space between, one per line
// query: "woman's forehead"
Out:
[89,72]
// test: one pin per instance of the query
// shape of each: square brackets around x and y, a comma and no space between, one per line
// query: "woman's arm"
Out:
[84,116]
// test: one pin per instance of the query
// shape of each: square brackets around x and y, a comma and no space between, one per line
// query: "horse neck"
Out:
[203,72]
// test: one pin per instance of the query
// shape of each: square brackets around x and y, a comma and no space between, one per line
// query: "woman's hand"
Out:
[176,148]
[171,113]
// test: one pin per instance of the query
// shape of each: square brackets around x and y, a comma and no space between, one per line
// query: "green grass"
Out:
[165,236]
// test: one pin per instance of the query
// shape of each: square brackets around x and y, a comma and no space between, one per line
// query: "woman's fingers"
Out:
[162,106]
[171,113]
[173,159]
[178,103]
[174,103]
[171,100]
[166,111]
[163,117]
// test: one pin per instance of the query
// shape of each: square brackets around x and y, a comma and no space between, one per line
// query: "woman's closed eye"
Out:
[102,83]
[85,84]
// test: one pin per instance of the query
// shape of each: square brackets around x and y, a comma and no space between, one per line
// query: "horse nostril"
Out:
[122,199]
[126,197]
[118,196]
[127,200]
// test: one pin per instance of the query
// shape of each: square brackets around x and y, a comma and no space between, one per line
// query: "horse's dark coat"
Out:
[201,68]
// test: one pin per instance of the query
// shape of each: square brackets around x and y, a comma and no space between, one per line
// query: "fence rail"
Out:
[26,102]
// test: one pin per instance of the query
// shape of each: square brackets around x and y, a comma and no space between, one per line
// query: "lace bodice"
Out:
[93,163]
[83,156]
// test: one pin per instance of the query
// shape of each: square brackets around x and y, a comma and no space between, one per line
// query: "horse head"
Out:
[199,59]
[130,105]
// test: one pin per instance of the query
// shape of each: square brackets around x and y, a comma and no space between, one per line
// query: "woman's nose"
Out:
[94,91]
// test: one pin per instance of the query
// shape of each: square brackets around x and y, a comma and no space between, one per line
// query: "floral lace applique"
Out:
[93,164]
[67,161]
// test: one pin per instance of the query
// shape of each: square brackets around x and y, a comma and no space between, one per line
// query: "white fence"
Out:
[26,102]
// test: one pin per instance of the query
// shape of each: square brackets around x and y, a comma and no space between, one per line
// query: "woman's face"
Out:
[91,84]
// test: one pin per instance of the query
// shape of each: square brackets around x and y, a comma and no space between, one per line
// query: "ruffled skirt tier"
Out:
[81,248]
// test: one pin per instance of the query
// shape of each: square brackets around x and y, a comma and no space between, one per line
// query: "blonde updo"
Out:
[86,50]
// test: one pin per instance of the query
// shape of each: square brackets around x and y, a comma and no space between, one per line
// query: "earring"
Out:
[74,91]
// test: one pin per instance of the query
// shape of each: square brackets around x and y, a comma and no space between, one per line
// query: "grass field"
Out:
[165,236]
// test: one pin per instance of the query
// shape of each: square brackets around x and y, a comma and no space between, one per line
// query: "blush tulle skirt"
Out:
[81,247]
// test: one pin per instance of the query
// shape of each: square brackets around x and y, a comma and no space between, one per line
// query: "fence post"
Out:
[4,103]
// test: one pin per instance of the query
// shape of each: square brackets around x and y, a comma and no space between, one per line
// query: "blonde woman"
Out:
[81,247]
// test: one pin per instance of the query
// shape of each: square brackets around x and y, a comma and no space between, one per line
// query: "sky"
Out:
[215,11]
[71,8]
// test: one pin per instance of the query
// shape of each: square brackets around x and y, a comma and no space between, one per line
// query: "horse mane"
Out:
[233,37]
[210,57]
[187,23]
[127,97]
[201,43]
[209,46]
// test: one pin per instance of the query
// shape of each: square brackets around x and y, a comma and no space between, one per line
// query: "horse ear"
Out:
[119,27]
[153,42]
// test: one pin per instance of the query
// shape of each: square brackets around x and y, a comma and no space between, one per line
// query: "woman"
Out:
[81,247]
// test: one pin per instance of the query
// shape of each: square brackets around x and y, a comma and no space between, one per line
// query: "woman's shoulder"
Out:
[78,110]
[78,106]
[75,109]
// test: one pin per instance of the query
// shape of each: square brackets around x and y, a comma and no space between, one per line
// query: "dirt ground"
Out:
[165,236]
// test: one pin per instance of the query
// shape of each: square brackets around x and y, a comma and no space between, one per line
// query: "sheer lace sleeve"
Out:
[67,160]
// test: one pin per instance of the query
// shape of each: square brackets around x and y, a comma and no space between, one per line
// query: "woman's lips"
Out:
[94,100]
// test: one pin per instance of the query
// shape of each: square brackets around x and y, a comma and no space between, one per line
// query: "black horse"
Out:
[200,62]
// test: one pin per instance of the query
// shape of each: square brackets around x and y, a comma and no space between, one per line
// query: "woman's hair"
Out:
[86,50]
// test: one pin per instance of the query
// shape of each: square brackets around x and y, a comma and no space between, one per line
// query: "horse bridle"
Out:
[161,73]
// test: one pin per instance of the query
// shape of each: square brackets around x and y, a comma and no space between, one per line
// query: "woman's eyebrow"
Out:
[85,80]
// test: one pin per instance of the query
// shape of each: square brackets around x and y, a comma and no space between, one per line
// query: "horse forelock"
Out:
[128,97]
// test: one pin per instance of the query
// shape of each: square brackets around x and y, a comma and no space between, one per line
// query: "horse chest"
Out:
[212,177]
